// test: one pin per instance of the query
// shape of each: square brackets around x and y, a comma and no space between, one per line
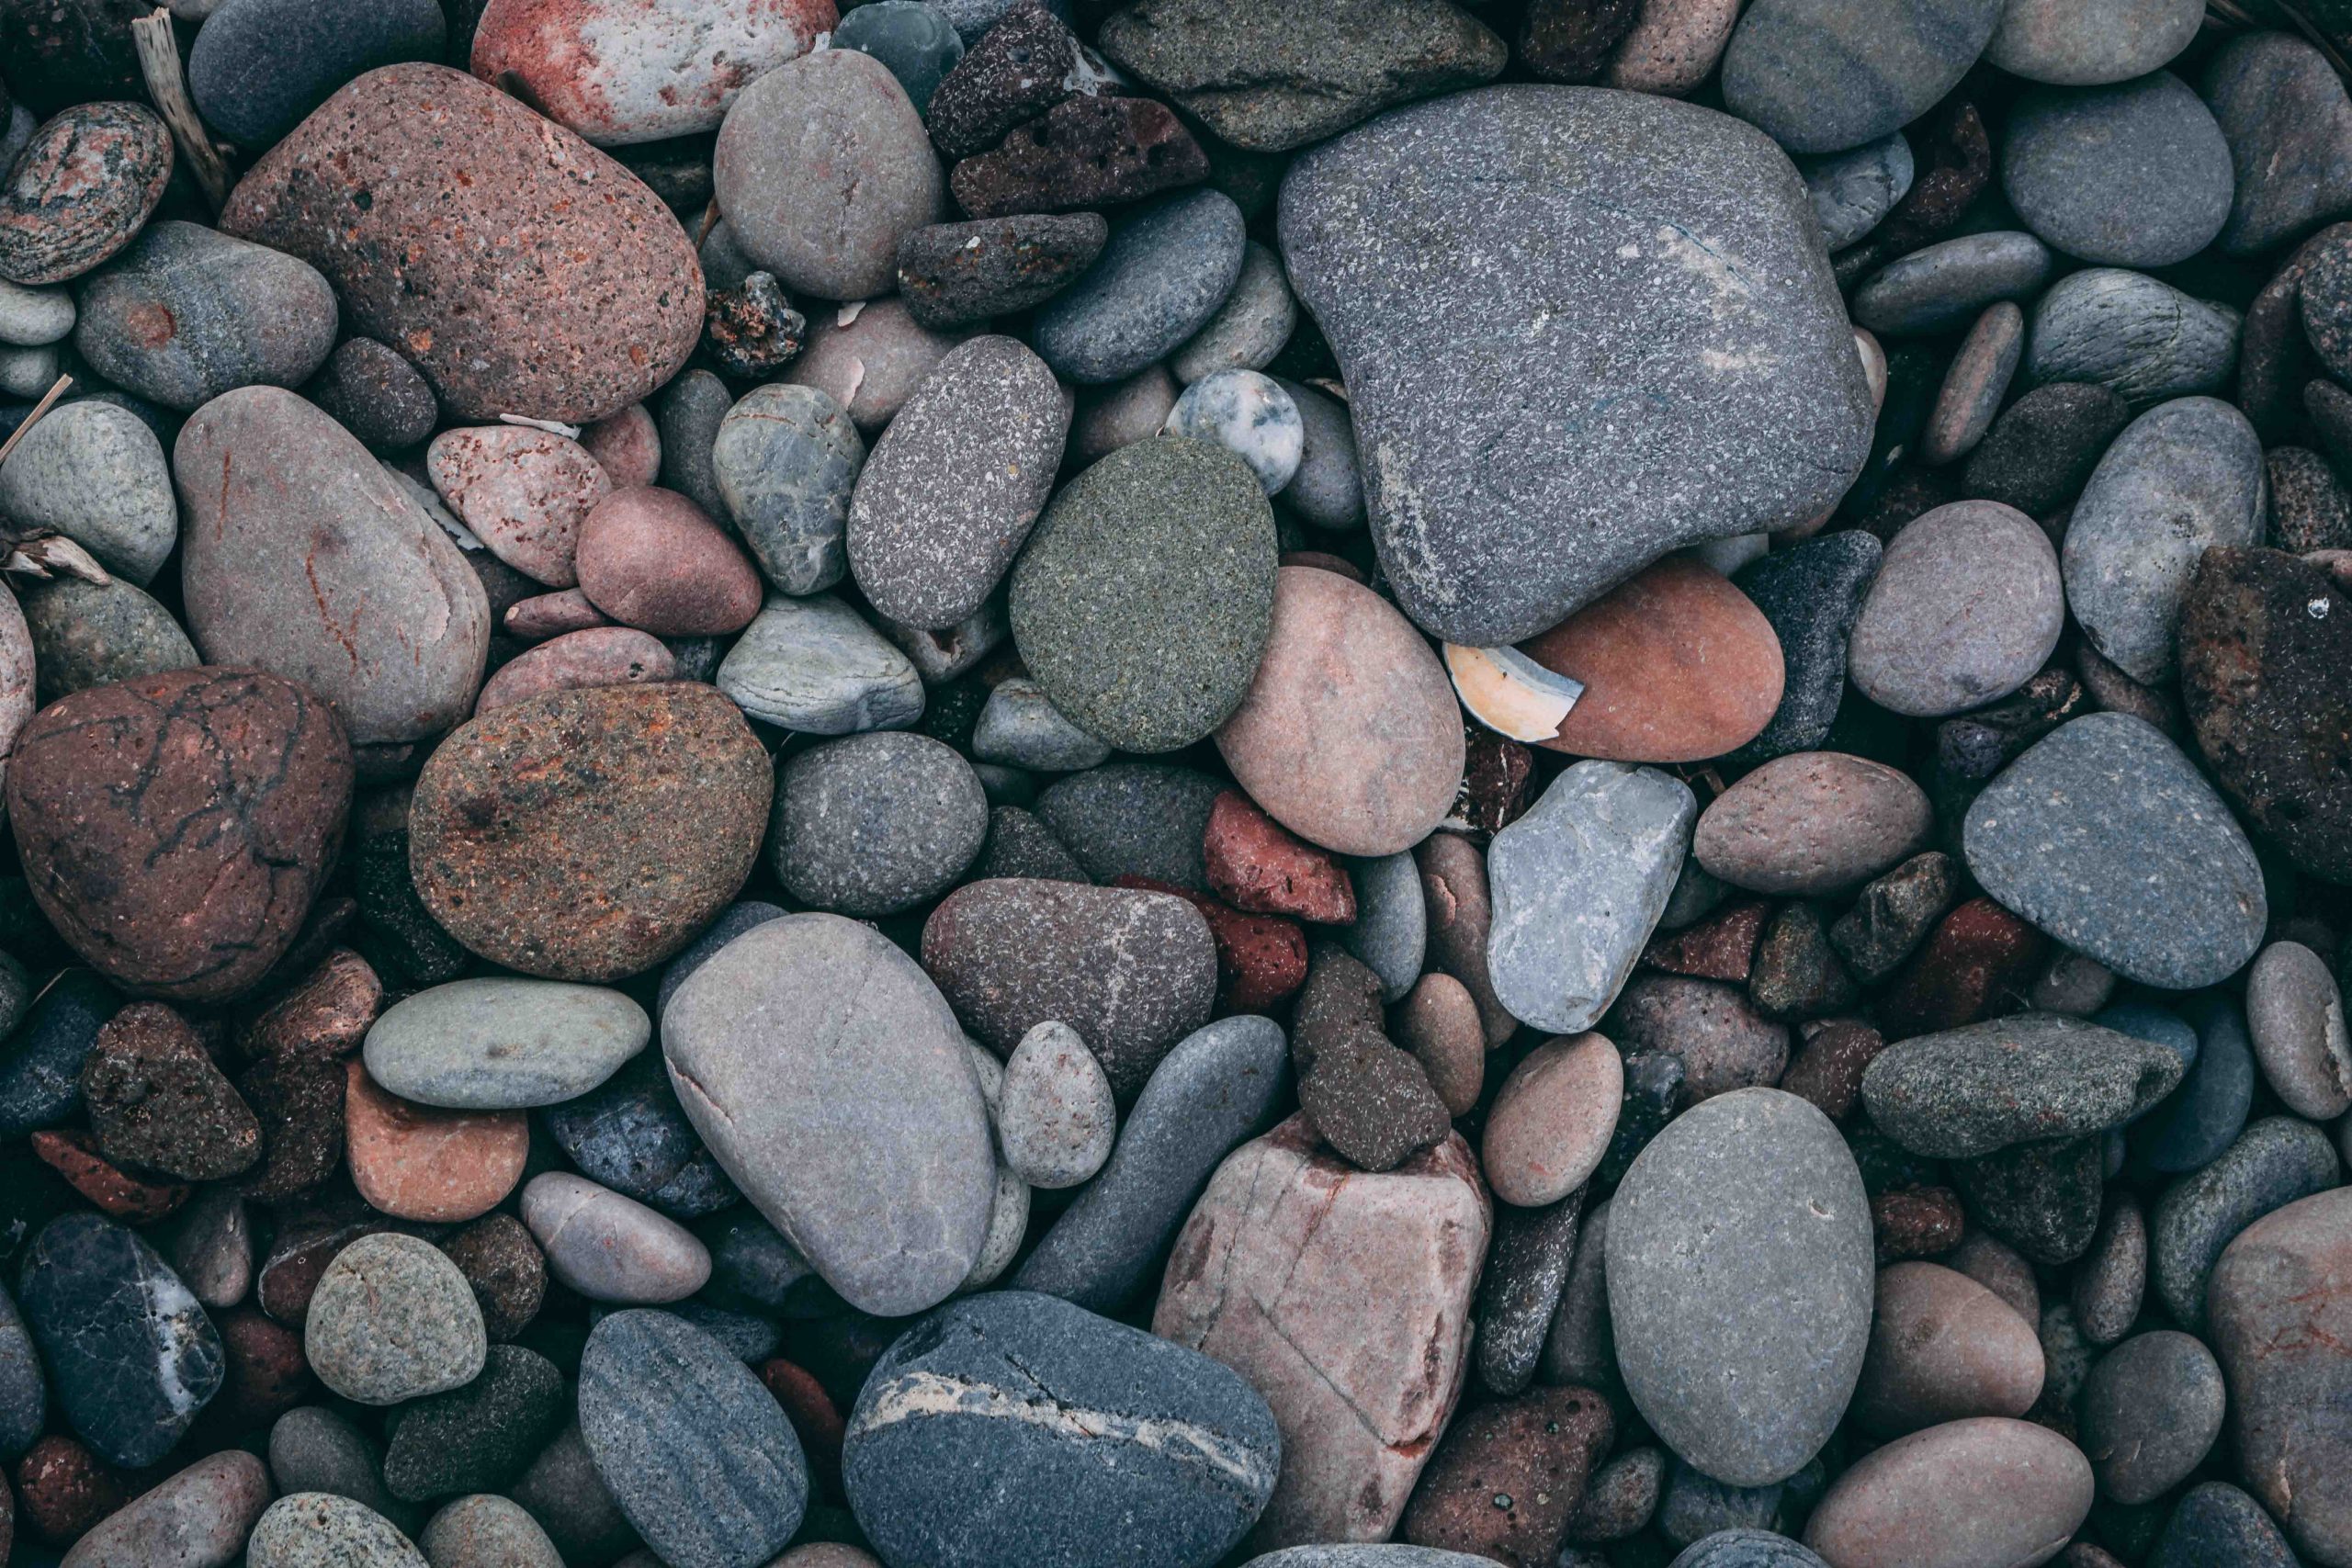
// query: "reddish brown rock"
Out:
[816,1420]
[75,1156]
[589,835]
[1571,41]
[157,1103]
[1461,913]
[525,492]
[1438,1023]
[1261,959]
[1552,1120]
[415,1162]
[1256,866]
[1917,1222]
[1720,947]
[1812,823]
[601,656]
[1722,1042]
[1369,1101]
[1827,1068]
[81,189]
[520,269]
[1344,1299]
[1507,1477]
[298,1100]
[552,615]
[1085,152]
[1678,666]
[627,445]
[653,560]
[1496,773]
[66,1489]
[326,1014]
[505,1268]
[1942,1347]
[1980,962]
[1986,1490]
[265,1373]
[175,828]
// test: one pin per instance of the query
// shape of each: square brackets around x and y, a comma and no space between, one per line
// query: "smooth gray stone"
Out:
[815,665]
[732,923]
[393,1320]
[785,460]
[1695,1507]
[1945,285]
[1823,76]
[916,41]
[240,315]
[1152,1454]
[2273,1162]
[1967,607]
[85,635]
[2183,478]
[30,318]
[504,1043]
[313,1448]
[687,415]
[2082,43]
[826,1073]
[1220,1086]
[1578,883]
[2217,1525]
[2134,175]
[28,373]
[319,1530]
[1135,819]
[1020,727]
[2288,120]
[1983,1087]
[1159,280]
[209,1245]
[1020,845]
[2198,1121]
[2131,333]
[1327,489]
[24,1397]
[1508,362]
[874,824]
[1391,929]
[2149,1412]
[2106,837]
[259,67]
[1852,191]
[990,419]
[1746,1549]
[486,1530]
[95,473]
[1740,1274]
[695,1449]
[563,1491]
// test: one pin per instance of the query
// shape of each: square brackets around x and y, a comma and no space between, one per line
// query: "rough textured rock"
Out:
[829,1077]
[1741,1349]
[391,1320]
[1810,823]
[1507,1477]
[556,305]
[552,836]
[1810,596]
[1986,1087]
[954,274]
[1756,390]
[2131,333]
[1344,1298]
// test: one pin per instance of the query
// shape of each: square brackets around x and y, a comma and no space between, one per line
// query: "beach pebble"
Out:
[95,473]
[2113,40]
[319,1530]
[503,1044]
[1159,280]
[2288,123]
[1822,76]
[593,655]
[2134,174]
[1939,287]
[1943,1347]
[1852,191]
[1020,727]
[609,1247]
[1810,823]
[2151,1410]
[2272,1163]
[954,275]
[786,459]
[1054,1119]
[869,358]
[479,1436]
[1985,1490]
[2131,333]
[1087,151]
[259,66]
[1552,1120]
[1249,329]
[485,1530]
[876,824]
[184,314]
[2040,451]
[393,1320]
[30,318]
[79,190]
[815,665]
[653,560]
[1965,608]
[371,391]
[522,492]
[1975,386]
[1249,415]
[2295,1015]
[416,1162]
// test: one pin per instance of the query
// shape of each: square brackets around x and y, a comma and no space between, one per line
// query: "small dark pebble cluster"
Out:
[1175,783]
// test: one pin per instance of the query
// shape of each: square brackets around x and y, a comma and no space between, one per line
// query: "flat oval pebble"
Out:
[1975,386]
[1742,1348]
[306,559]
[2281,107]
[821,167]
[787,460]
[1147,1452]
[1943,1347]
[591,304]
[534,842]
[1966,607]
[653,560]
[317,1529]
[1163,274]
[696,1452]
[503,1044]
[1985,1493]
[1942,285]
[828,1075]
[2273,1162]
[486,1530]
[1055,1117]
[2074,44]
[2151,1410]
[2159,884]
[1823,76]
[1146,595]
[1349,735]
[619,71]
[196,1518]
[2295,1014]
[259,66]
[79,190]
[1986,1086]
[817,666]
[1810,823]
[393,1320]
[2134,175]
[2133,334]
[95,473]
[377,395]
[876,824]
[1552,1120]
[522,492]
[184,314]
[413,1162]
[927,555]
[610,1247]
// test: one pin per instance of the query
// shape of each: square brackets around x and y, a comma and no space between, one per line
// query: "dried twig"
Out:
[159,61]
[48,401]
[571,431]
[47,555]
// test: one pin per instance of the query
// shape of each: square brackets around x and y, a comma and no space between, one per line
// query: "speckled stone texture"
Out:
[1129,1446]
[1971,1091]
[1509,366]
[1740,1270]
[587,835]
[1811,594]
[177,827]
[550,283]
[80,190]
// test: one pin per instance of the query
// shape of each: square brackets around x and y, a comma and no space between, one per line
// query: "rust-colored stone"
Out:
[1258,866]
[1720,947]
[75,1156]
[1980,962]
[325,1015]
[415,1162]
[66,1489]
[1917,1222]
[1507,1477]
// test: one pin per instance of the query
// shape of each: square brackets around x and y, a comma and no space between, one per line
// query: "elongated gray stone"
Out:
[2132,333]
[185,313]
[1578,883]
[829,1077]
[503,1044]
[95,473]
[2275,1162]
[1983,1086]
[1568,302]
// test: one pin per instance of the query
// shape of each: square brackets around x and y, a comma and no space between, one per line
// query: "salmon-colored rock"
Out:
[75,1156]
[547,615]
[1552,1120]
[521,270]
[417,1163]
[1255,866]
[1942,1347]
[1438,1023]
[653,560]
[1965,1494]
[627,445]
[1720,947]
[523,491]
[1678,666]
[601,656]
[1344,1298]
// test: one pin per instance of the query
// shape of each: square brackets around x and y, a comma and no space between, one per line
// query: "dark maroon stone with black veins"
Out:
[175,828]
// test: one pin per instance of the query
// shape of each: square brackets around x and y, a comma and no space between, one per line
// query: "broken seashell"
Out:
[1509,693]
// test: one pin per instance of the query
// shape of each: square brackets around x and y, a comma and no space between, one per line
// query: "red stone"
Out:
[1917,1222]
[66,1489]
[325,1015]
[1979,962]
[1496,773]
[1259,868]
[1085,152]
[1261,959]
[653,560]
[1827,1068]
[816,1420]
[1720,947]
[75,1156]
[1507,1477]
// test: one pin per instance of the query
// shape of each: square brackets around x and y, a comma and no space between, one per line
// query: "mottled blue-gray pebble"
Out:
[231,314]
[1391,927]
[696,1452]
[40,1073]
[1823,76]
[1222,1084]
[2134,174]
[874,824]
[1943,286]
[1129,1448]
[785,461]
[1020,727]
[753,1269]
[1853,190]
[1159,280]
[915,40]
[1134,819]
[629,1134]
[2131,333]
[2273,1162]
[687,415]
[259,66]
[1248,414]
[1746,1549]
[815,665]
[2217,1525]
[1327,489]
[2191,1127]
[2106,837]
[504,1042]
